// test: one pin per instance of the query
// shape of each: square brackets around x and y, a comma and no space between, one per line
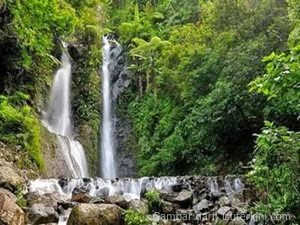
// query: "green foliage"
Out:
[281,82]
[36,23]
[86,80]
[276,163]
[21,200]
[133,217]
[154,120]
[294,16]
[275,170]
[153,199]
[19,125]
[192,80]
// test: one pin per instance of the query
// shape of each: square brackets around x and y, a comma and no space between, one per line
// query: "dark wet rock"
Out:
[168,196]
[41,214]
[224,201]
[96,200]
[167,207]
[63,182]
[50,199]
[80,197]
[184,198]
[237,221]
[103,192]
[224,212]
[201,206]
[118,200]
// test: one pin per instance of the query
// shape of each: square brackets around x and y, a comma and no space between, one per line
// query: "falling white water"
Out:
[58,120]
[129,188]
[108,165]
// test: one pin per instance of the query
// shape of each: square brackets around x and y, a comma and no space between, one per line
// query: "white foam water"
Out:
[108,164]
[130,188]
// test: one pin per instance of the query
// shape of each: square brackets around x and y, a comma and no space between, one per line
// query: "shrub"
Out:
[36,24]
[153,199]
[275,170]
[19,125]
[133,217]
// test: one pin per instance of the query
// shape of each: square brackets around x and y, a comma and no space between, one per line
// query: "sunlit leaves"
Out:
[37,23]
[275,170]
[281,83]
[20,126]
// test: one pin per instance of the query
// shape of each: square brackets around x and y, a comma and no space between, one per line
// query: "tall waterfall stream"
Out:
[108,163]
[58,120]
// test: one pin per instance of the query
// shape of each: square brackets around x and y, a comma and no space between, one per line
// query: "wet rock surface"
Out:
[124,138]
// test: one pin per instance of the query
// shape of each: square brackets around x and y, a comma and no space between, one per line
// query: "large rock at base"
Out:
[223,201]
[81,197]
[118,200]
[42,214]
[96,214]
[237,221]
[184,198]
[10,212]
[49,199]
[224,212]
[9,178]
[167,207]
[139,206]
[201,206]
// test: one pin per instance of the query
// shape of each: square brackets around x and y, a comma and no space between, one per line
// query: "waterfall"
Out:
[128,187]
[58,120]
[108,164]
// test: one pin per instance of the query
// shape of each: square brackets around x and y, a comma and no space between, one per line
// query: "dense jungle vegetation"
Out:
[215,84]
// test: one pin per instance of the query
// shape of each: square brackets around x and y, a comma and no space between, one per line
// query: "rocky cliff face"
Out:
[125,141]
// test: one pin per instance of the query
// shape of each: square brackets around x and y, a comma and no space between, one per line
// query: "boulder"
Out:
[224,201]
[103,192]
[224,212]
[237,221]
[168,196]
[8,194]
[184,198]
[49,199]
[96,200]
[167,207]
[201,206]
[118,200]
[96,214]
[42,214]
[10,212]
[81,197]
[9,178]
[185,215]
[139,206]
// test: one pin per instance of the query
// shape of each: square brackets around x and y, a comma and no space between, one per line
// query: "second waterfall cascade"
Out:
[58,120]
[108,163]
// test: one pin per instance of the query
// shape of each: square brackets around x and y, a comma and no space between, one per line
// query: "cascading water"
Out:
[57,120]
[99,188]
[130,188]
[108,164]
